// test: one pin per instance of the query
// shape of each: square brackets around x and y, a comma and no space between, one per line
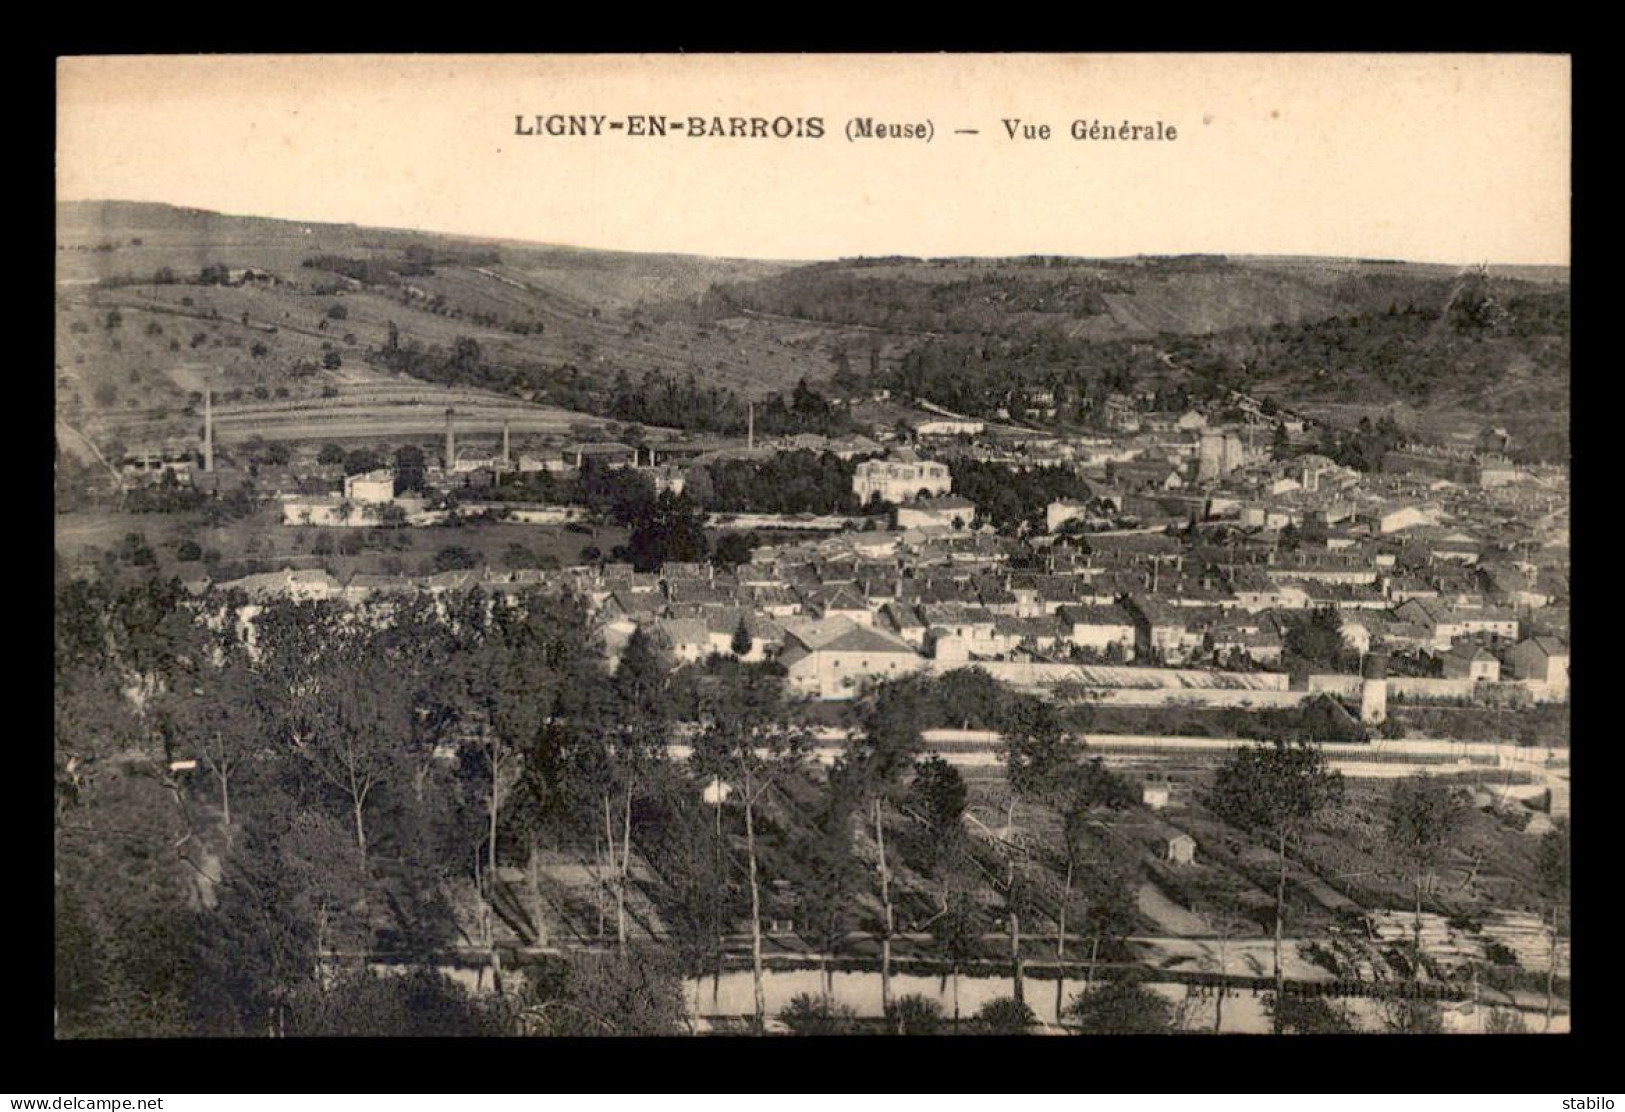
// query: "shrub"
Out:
[1302,1015]
[135,551]
[1004,1016]
[455,557]
[813,1015]
[914,1015]
[517,556]
[1120,1008]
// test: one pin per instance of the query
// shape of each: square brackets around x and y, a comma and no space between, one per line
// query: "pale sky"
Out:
[1446,158]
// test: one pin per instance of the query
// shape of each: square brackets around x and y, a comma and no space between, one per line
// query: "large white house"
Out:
[832,659]
[900,479]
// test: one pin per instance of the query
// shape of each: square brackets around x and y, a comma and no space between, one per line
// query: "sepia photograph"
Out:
[783,545]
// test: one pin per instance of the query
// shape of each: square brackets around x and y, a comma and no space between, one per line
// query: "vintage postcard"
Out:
[774,545]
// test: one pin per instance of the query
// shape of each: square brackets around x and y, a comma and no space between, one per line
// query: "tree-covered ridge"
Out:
[979,303]
[1491,347]
[1416,353]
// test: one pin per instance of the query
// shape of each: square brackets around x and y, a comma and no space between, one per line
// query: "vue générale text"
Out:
[857,129]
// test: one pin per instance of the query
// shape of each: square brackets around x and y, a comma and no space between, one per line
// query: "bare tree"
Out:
[1425,821]
[749,733]
[1552,870]
[219,718]
[1274,790]
[359,719]
[1039,756]
[877,759]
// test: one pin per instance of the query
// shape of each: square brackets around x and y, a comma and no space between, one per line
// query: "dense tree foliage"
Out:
[1008,498]
[240,823]
[787,483]
[1314,640]
[673,529]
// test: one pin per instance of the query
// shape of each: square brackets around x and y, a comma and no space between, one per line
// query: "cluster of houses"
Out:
[861,606]
[1462,575]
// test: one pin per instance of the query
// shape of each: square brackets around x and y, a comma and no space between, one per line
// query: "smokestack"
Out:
[208,429]
[451,442]
[505,457]
[750,412]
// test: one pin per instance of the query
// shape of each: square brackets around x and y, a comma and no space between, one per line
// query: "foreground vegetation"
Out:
[250,833]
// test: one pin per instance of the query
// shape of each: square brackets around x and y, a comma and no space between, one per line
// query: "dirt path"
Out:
[80,446]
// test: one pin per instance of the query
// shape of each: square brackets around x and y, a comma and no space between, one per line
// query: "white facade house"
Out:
[947,512]
[1057,514]
[833,659]
[1542,660]
[900,480]
[370,487]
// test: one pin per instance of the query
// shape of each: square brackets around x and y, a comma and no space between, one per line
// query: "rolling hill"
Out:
[155,302]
